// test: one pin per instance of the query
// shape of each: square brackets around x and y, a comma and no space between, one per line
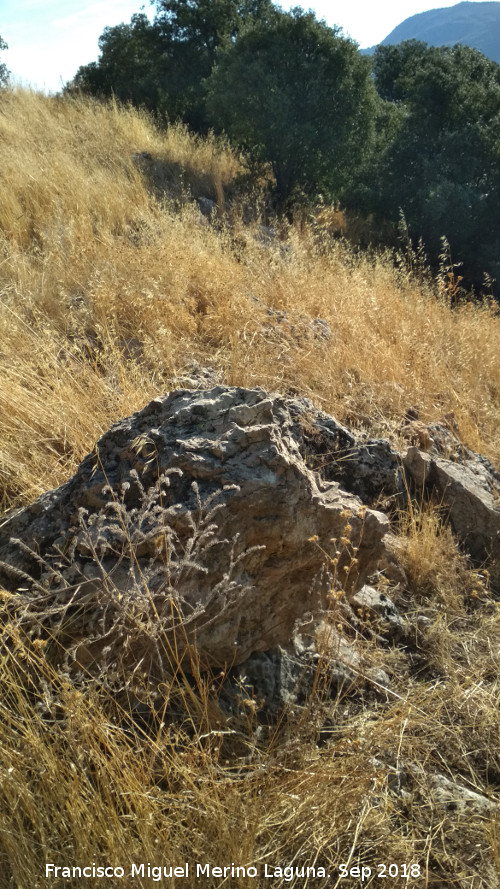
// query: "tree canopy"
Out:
[162,65]
[129,65]
[297,94]
[442,167]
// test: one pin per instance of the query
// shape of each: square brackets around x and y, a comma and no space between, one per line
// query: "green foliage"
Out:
[442,165]
[4,72]
[128,66]
[206,24]
[162,65]
[190,33]
[395,68]
[297,95]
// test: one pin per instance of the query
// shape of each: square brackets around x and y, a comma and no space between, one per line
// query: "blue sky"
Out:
[49,39]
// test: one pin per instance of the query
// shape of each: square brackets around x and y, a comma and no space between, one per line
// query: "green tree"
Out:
[442,167]
[395,68]
[128,65]
[190,33]
[4,71]
[298,95]
[162,65]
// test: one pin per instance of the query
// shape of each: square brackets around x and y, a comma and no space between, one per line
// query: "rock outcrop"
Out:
[199,517]
[222,522]
[284,676]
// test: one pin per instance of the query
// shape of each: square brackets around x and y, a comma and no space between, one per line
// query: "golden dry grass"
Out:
[108,291]
[80,784]
[91,261]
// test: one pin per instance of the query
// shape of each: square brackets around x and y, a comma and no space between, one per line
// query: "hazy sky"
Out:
[49,39]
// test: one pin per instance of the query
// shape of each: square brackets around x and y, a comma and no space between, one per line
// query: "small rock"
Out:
[470,493]
[449,796]
[321,329]
[206,206]
[381,606]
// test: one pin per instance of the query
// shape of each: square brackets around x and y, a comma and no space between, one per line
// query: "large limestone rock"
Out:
[191,523]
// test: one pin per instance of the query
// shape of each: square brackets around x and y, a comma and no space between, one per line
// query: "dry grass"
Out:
[81,783]
[438,573]
[107,293]
[109,290]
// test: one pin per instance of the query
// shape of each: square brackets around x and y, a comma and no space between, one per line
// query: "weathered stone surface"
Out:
[409,778]
[285,676]
[373,469]
[195,376]
[470,491]
[282,327]
[369,468]
[207,206]
[379,605]
[450,796]
[198,511]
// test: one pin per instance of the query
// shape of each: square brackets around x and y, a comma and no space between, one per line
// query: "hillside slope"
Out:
[110,290]
[114,289]
[471,23]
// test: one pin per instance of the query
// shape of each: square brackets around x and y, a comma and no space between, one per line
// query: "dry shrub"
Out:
[83,782]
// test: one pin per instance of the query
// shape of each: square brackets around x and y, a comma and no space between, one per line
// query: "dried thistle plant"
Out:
[132,615]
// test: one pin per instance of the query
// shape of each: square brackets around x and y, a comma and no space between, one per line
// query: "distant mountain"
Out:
[474,24]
